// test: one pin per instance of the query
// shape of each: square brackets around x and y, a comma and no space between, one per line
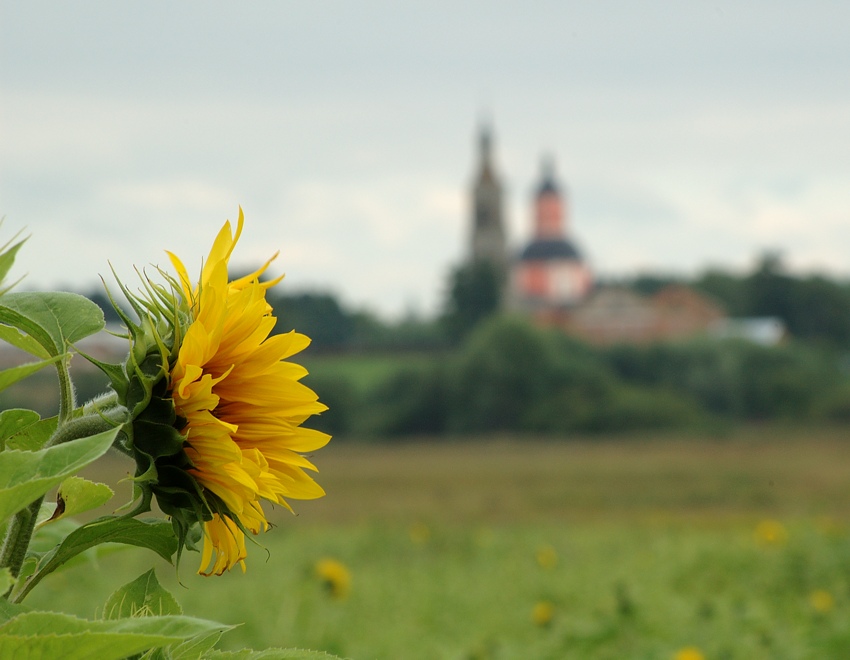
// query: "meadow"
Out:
[498,548]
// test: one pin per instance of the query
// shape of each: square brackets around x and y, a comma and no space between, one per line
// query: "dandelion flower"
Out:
[334,576]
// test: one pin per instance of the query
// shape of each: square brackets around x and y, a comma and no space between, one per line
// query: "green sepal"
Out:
[7,260]
[114,372]
[153,436]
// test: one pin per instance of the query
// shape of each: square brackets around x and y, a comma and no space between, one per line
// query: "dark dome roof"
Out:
[548,187]
[548,184]
[550,250]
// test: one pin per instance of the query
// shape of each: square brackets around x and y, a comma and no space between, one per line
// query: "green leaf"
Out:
[12,375]
[144,596]
[152,533]
[23,341]
[6,580]
[47,537]
[52,318]
[76,495]
[270,654]
[9,610]
[45,635]
[26,475]
[192,649]
[33,437]
[45,512]
[12,421]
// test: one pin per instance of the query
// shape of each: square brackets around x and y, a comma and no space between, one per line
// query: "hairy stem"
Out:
[66,391]
[14,551]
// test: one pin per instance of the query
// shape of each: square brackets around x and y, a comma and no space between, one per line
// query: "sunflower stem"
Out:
[88,425]
[66,390]
[17,540]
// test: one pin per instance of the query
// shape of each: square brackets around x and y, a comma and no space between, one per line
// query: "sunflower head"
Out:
[217,407]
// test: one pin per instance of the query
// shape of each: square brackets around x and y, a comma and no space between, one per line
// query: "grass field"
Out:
[617,548]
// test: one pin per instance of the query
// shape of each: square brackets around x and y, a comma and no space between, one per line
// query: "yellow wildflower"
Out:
[419,533]
[542,613]
[821,601]
[771,532]
[334,576]
[547,557]
[689,653]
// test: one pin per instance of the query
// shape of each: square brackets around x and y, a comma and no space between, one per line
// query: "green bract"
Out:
[152,436]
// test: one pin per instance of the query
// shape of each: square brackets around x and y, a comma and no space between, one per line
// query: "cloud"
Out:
[685,135]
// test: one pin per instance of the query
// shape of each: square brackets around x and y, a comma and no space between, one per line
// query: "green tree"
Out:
[730,290]
[318,315]
[769,288]
[820,310]
[503,371]
[475,293]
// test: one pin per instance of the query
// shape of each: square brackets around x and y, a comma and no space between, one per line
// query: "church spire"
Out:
[485,150]
[488,232]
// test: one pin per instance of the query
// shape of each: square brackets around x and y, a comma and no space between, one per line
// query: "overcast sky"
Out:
[688,134]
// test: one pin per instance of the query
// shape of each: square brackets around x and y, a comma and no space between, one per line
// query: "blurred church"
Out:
[550,281]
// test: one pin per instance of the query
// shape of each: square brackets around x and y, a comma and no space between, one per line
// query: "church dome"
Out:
[548,187]
[550,249]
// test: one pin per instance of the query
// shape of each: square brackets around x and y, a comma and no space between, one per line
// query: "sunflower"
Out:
[216,406]
[239,403]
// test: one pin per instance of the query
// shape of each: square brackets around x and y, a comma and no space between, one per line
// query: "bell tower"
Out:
[488,242]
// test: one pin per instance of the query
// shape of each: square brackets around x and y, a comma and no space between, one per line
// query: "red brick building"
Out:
[617,315]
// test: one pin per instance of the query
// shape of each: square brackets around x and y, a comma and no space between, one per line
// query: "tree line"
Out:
[487,372]
[510,376]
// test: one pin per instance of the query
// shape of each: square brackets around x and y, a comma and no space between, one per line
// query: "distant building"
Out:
[618,315]
[764,330]
[612,315]
[549,277]
[550,281]
[488,242]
